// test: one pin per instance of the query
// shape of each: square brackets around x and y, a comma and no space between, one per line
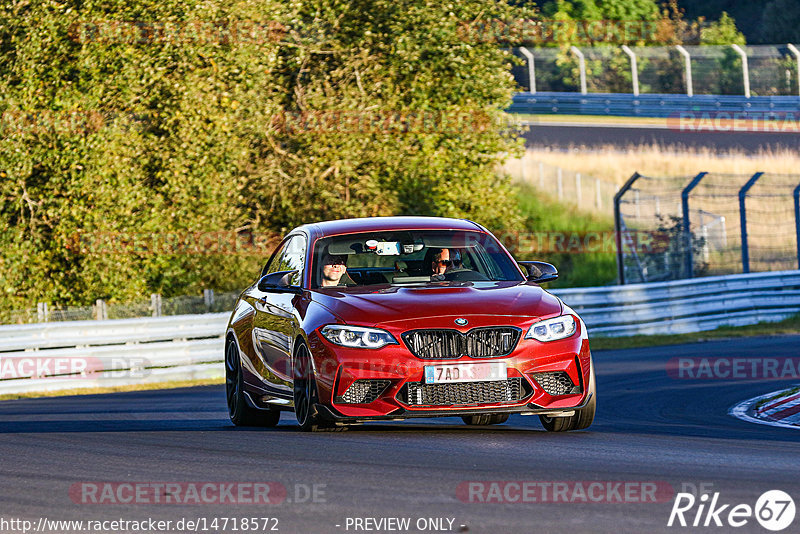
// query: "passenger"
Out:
[334,270]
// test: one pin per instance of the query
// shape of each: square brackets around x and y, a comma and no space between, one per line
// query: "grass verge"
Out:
[115,389]
[787,326]
[616,164]
[588,119]
[542,213]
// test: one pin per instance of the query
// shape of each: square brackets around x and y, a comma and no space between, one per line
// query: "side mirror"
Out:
[279,282]
[539,271]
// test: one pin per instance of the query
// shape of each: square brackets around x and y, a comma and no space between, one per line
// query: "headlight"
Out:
[358,336]
[552,329]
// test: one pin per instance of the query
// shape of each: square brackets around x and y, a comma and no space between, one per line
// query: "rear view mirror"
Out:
[539,271]
[279,282]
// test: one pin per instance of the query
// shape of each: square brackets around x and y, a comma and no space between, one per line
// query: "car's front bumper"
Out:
[330,414]
[336,368]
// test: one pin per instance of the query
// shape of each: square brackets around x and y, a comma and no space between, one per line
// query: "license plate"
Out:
[465,372]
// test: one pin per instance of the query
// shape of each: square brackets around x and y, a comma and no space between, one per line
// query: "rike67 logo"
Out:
[774,510]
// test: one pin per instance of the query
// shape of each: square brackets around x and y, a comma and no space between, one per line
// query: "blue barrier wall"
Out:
[654,105]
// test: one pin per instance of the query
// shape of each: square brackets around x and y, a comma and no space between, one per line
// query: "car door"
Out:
[275,320]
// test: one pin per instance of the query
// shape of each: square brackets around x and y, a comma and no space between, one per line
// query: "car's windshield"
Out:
[410,257]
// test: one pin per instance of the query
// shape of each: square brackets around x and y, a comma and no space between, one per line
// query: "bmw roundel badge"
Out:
[461,321]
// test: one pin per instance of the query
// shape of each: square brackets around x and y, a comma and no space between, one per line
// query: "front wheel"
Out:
[485,419]
[239,411]
[306,395]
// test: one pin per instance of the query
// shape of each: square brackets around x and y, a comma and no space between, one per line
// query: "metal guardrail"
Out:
[81,354]
[684,306]
[652,105]
[90,354]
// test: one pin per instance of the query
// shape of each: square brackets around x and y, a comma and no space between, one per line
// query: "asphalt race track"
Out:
[590,136]
[650,428]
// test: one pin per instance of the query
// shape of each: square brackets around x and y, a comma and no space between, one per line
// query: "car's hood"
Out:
[382,304]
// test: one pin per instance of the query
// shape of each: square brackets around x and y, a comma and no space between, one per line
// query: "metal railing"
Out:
[686,111]
[209,302]
[762,70]
[685,306]
[91,354]
[73,355]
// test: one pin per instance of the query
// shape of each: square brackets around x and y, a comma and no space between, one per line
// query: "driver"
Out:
[440,261]
[443,260]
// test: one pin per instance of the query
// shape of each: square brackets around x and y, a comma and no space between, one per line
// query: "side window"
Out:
[291,256]
[274,260]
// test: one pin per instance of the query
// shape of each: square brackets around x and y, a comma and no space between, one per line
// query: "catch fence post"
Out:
[687,69]
[101,310]
[743,220]
[687,231]
[581,65]
[155,304]
[42,313]
[745,69]
[208,297]
[531,69]
[797,220]
[634,69]
[618,225]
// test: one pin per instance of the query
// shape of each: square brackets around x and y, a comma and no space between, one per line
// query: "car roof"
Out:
[369,224]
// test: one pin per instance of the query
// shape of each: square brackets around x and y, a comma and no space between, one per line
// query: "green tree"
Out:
[604,9]
[127,121]
[722,32]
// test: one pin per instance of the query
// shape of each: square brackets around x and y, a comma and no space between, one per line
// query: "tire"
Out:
[485,419]
[583,417]
[306,395]
[241,413]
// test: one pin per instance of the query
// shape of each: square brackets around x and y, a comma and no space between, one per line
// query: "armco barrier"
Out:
[89,354]
[651,105]
[684,306]
[184,347]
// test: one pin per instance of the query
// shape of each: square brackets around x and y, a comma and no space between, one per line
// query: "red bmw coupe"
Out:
[390,318]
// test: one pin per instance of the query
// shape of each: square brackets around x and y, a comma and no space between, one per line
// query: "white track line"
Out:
[740,411]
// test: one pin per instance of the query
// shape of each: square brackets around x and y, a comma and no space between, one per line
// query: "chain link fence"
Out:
[586,192]
[708,224]
[711,70]
[209,302]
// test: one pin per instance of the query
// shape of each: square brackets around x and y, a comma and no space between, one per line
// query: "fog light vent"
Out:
[558,383]
[363,391]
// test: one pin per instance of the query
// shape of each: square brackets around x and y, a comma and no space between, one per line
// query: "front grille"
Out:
[363,391]
[558,383]
[488,342]
[464,393]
